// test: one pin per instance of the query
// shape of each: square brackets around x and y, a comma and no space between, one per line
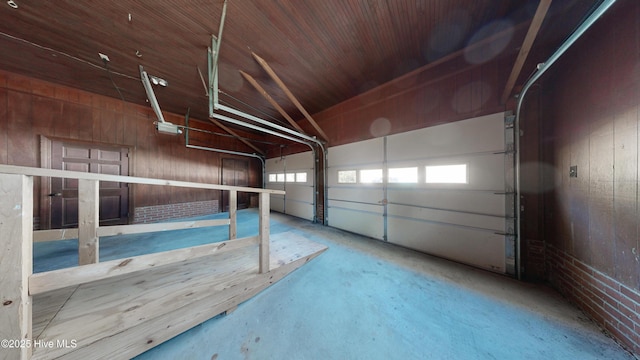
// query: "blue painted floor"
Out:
[364,299]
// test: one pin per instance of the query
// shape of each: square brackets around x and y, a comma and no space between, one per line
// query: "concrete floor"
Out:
[365,299]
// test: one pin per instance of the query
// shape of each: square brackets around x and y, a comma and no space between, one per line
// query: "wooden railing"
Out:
[18,283]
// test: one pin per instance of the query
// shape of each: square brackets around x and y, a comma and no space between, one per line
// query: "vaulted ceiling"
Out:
[324,51]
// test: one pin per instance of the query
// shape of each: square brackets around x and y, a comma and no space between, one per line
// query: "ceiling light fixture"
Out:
[158,81]
[103,57]
[12,4]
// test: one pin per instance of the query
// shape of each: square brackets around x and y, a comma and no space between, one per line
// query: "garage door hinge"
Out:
[509,150]
[509,120]
[504,233]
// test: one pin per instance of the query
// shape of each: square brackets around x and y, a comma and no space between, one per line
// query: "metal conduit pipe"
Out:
[214,104]
[315,186]
[232,153]
[275,133]
[231,110]
[325,197]
[226,135]
[258,128]
[265,122]
[224,151]
[542,68]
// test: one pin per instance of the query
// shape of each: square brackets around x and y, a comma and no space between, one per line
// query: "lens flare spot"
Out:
[380,127]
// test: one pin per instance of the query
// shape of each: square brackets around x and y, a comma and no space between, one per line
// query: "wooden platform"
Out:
[126,315]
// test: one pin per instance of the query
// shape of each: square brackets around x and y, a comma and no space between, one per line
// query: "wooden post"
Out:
[88,221]
[16,264]
[233,212]
[264,232]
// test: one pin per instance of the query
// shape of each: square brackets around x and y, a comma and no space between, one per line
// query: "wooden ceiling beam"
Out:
[246,142]
[289,94]
[534,27]
[273,103]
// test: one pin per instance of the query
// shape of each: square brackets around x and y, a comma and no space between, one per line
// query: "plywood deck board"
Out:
[39,283]
[295,247]
[185,294]
[47,306]
[107,307]
[148,334]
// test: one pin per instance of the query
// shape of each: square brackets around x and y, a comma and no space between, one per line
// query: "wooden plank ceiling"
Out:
[324,51]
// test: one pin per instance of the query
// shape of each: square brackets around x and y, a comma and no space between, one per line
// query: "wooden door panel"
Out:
[109,155]
[109,207]
[114,196]
[72,184]
[110,169]
[70,211]
[75,153]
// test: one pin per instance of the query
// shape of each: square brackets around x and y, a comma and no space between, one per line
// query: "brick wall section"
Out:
[319,213]
[614,306]
[155,213]
[534,253]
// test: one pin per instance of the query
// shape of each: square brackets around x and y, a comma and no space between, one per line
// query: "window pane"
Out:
[447,174]
[347,177]
[301,177]
[272,177]
[280,177]
[291,177]
[371,176]
[403,175]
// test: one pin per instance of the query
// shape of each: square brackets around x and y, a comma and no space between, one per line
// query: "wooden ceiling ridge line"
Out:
[532,33]
[289,94]
[268,97]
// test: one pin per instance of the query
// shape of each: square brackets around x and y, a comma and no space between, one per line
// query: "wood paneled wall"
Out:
[592,123]
[532,244]
[589,110]
[31,108]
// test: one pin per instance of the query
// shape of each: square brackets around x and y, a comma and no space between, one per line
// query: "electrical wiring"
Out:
[64,54]
[106,66]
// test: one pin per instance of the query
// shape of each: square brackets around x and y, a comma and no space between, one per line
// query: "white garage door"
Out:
[444,190]
[295,175]
[355,189]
